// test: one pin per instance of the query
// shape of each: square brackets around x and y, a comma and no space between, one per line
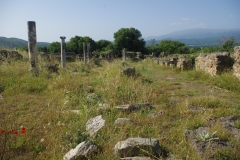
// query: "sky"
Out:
[100,19]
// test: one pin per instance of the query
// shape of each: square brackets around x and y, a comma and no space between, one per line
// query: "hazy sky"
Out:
[99,19]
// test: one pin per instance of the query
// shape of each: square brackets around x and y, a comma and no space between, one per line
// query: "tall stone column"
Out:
[88,52]
[84,53]
[124,54]
[63,53]
[32,45]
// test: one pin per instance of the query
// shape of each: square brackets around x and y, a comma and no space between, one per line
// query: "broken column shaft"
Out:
[63,53]
[32,45]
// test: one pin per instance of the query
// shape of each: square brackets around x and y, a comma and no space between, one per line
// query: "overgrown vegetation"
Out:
[42,105]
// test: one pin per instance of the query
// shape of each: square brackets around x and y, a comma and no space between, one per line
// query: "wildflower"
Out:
[185,112]
[16,132]
[2,131]
[166,98]
[24,129]
[157,95]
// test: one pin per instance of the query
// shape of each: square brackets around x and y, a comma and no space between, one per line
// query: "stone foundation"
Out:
[184,64]
[213,63]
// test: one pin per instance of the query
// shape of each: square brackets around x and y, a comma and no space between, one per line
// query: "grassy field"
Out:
[42,102]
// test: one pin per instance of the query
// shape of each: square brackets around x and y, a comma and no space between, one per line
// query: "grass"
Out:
[42,102]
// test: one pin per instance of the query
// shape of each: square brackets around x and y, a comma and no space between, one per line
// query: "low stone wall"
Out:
[184,64]
[70,57]
[236,66]
[9,55]
[213,63]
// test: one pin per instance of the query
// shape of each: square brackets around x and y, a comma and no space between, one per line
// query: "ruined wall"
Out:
[213,63]
[236,66]
[184,64]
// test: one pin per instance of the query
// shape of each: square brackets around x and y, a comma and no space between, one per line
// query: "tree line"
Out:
[131,39]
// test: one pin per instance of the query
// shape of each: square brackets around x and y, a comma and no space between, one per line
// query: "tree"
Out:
[129,38]
[152,43]
[210,49]
[228,44]
[173,47]
[183,50]
[76,44]
[103,45]
[42,49]
[55,47]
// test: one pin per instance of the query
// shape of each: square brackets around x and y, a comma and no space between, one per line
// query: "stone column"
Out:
[32,45]
[84,53]
[124,54]
[88,51]
[63,53]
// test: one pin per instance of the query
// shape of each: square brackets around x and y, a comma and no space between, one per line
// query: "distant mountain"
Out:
[16,42]
[198,37]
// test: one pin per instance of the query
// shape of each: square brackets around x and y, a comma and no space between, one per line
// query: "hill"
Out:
[198,37]
[16,42]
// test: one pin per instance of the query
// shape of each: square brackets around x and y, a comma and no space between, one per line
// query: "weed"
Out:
[206,137]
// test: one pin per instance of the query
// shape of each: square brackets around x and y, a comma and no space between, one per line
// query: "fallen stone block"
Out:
[95,124]
[130,71]
[81,151]
[137,146]
[206,143]
[134,107]
[122,121]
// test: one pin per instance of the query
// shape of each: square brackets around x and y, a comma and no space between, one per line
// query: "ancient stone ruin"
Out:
[32,45]
[9,55]
[130,71]
[236,66]
[134,146]
[81,151]
[182,63]
[95,124]
[214,63]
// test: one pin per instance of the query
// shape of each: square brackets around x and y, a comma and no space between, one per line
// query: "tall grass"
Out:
[42,103]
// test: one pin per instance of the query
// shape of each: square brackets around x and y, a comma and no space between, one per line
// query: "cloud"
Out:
[175,24]
[185,19]
[202,25]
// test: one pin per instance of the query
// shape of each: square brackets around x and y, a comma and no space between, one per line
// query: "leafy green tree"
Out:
[156,49]
[173,47]
[54,47]
[103,45]
[152,43]
[76,44]
[129,38]
[42,49]
[183,50]
[192,50]
[228,44]
[73,45]
[210,49]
